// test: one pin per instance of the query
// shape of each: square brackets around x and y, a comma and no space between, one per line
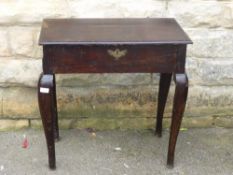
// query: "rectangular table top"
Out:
[112,31]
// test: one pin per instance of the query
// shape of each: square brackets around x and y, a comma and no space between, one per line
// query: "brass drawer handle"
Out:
[117,53]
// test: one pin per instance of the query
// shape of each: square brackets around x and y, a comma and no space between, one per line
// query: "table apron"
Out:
[109,59]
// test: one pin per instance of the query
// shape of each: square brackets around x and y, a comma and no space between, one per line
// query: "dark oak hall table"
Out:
[150,45]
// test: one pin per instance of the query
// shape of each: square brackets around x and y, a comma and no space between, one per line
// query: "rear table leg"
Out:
[164,85]
[55,116]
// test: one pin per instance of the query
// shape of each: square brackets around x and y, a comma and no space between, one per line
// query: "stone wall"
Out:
[117,101]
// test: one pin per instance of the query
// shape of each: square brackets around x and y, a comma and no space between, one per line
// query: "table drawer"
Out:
[111,59]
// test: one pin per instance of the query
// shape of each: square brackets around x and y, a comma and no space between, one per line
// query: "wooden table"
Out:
[113,46]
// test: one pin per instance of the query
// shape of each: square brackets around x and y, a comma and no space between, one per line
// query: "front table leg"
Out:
[47,107]
[181,91]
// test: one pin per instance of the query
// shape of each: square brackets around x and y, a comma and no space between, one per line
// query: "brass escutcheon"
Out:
[117,53]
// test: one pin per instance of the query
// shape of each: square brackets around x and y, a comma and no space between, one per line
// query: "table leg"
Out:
[55,116]
[46,105]
[181,91]
[164,85]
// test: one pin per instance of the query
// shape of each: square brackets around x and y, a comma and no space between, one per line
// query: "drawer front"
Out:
[109,59]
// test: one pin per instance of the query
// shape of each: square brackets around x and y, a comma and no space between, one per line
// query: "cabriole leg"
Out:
[180,97]
[46,105]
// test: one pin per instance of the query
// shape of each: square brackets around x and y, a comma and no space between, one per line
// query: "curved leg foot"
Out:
[46,105]
[180,97]
[164,85]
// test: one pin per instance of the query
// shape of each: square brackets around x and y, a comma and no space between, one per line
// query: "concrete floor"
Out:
[199,151]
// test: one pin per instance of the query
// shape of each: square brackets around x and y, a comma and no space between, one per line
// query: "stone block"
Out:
[19,72]
[36,123]
[198,122]
[85,80]
[63,123]
[209,101]
[4,42]
[210,14]
[19,103]
[224,121]
[192,122]
[119,123]
[23,41]
[106,102]
[209,43]
[117,8]
[19,12]
[209,72]
[6,125]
